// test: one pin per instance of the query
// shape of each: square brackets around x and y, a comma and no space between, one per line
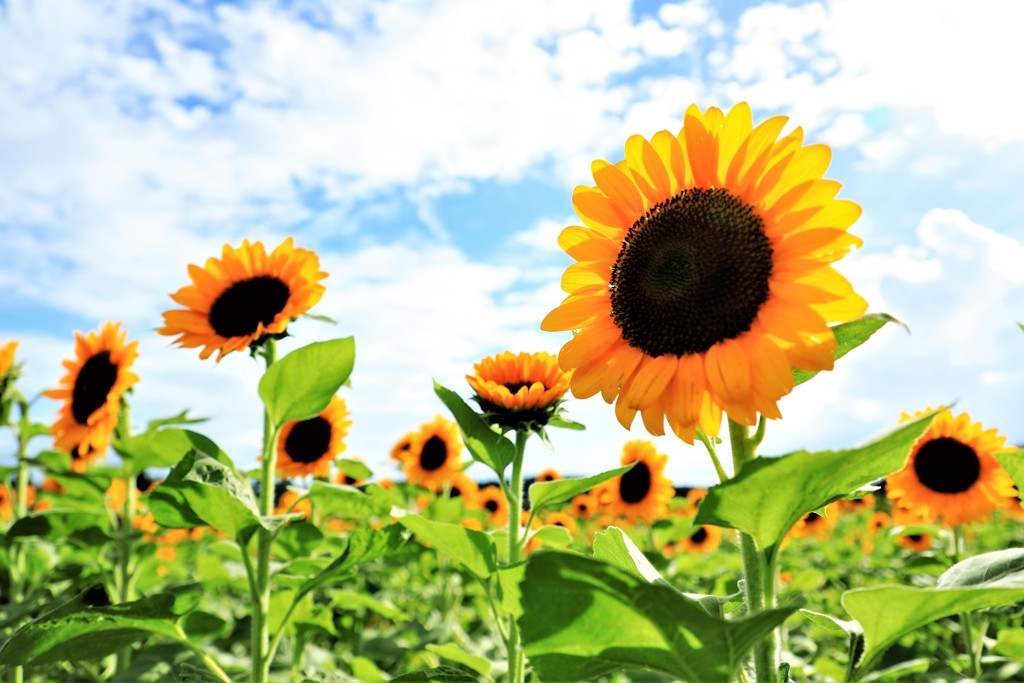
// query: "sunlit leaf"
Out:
[547,493]
[347,502]
[456,654]
[472,549]
[1013,463]
[441,674]
[615,547]
[166,447]
[584,618]
[484,444]
[849,336]
[301,385]
[751,501]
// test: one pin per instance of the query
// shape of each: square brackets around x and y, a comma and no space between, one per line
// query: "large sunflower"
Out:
[644,491]
[92,388]
[703,273]
[952,474]
[433,454]
[244,296]
[310,446]
[519,390]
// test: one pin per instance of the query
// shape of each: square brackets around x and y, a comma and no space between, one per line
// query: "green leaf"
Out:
[166,448]
[364,544]
[904,671]
[615,547]
[849,336]
[203,491]
[441,674]
[484,444]
[1013,463]
[353,601]
[347,502]
[1010,643]
[297,540]
[998,569]
[455,653]
[507,588]
[547,493]
[474,550]
[831,623]
[584,618]
[887,613]
[71,634]
[300,385]
[181,418]
[751,501]
[200,625]
[355,469]
[553,536]
[564,423]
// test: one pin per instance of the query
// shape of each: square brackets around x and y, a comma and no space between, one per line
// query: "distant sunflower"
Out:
[916,542]
[644,491]
[878,521]
[401,447]
[243,297]
[703,540]
[563,520]
[310,446]
[492,500]
[952,474]
[550,474]
[703,273]
[346,479]
[584,506]
[82,458]
[92,388]
[433,454]
[460,485]
[519,391]
[866,502]
[8,372]
[815,525]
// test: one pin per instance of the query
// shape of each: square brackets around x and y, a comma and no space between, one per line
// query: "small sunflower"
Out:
[815,525]
[563,520]
[644,491]
[402,446]
[916,542]
[584,505]
[952,474]
[492,500]
[460,485]
[82,458]
[519,391]
[345,479]
[878,521]
[703,273]
[246,295]
[309,446]
[866,502]
[433,454]
[550,474]
[92,388]
[7,351]
[292,501]
[703,540]
[8,376]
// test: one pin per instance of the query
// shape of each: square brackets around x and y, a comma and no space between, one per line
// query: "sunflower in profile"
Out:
[433,455]
[91,390]
[550,474]
[310,446]
[243,297]
[644,491]
[401,447]
[952,474]
[8,373]
[703,540]
[519,391]
[492,500]
[703,273]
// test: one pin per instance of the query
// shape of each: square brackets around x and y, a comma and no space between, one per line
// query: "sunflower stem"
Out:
[261,655]
[710,446]
[17,573]
[758,567]
[514,494]
[966,620]
[124,541]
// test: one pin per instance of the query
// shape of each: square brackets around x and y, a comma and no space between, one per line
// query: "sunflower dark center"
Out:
[491,505]
[693,271]
[946,465]
[454,492]
[349,480]
[812,518]
[240,308]
[434,454]
[914,537]
[514,387]
[699,536]
[94,382]
[635,484]
[309,440]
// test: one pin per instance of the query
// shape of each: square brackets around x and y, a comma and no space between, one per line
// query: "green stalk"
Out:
[261,608]
[17,572]
[966,619]
[709,445]
[758,567]
[514,495]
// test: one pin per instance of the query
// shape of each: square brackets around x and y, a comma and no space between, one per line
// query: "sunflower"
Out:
[519,391]
[82,458]
[292,501]
[866,502]
[7,351]
[460,485]
[916,542]
[243,297]
[310,446]
[401,446]
[703,273]
[92,389]
[814,524]
[492,500]
[703,540]
[550,474]
[644,491]
[952,475]
[433,454]
[561,519]
[345,479]
[584,505]
[8,375]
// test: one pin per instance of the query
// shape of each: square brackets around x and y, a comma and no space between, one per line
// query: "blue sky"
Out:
[428,151]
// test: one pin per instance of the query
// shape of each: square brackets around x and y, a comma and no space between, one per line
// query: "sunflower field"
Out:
[702,292]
